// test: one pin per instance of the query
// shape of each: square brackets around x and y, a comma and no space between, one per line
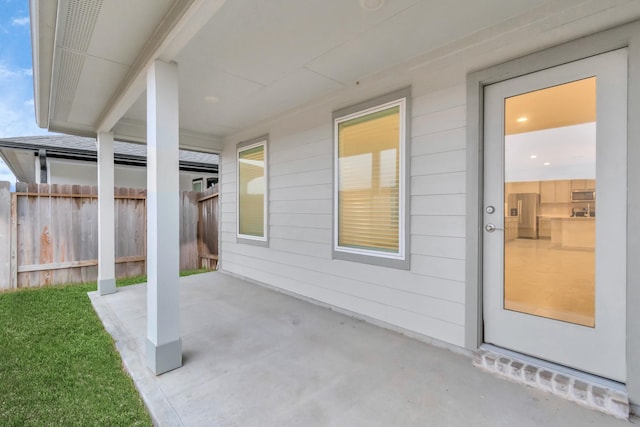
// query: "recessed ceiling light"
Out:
[547,164]
[211,99]
[521,119]
[533,156]
[371,4]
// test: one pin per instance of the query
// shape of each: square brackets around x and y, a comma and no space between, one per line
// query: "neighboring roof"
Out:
[70,143]
[82,148]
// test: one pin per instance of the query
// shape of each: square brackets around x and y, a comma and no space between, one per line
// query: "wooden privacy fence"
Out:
[49,233]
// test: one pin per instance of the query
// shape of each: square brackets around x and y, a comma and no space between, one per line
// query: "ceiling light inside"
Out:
[533,156]
[547,164]
[371,4]
[521,119]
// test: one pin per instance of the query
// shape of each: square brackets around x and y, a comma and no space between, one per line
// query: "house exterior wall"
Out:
[63,171]
[428,299]
[441,295]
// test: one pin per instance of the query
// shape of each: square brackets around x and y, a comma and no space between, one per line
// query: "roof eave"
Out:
[43,23]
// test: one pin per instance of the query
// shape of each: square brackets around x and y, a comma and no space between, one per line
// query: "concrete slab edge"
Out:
[578,390]
[160,409]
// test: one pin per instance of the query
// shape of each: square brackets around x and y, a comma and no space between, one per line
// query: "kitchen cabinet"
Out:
[544,228]
[523,187]
[510,228]
[547,191]
[558,191]
[583,184]
[563,191]
[573,233]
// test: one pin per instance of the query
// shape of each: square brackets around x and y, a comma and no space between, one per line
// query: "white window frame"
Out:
[246,238]
[400,259]
[197,181]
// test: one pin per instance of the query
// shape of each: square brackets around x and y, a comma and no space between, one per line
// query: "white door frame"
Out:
[557,341]
[627,35]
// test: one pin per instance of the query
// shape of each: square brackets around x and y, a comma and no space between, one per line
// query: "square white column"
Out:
[164,346]
[106,221]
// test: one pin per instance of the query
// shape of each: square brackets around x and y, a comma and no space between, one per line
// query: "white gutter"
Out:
[43,15]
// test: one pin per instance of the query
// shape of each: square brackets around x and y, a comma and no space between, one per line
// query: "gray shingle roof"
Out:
[82,144]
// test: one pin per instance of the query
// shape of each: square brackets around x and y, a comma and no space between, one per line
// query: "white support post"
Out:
[164,346]
[106,217]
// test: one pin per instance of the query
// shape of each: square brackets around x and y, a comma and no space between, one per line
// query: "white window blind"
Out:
[251,191]
[368,208]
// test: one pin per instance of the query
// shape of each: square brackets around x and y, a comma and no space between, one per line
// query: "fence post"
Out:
[5,235]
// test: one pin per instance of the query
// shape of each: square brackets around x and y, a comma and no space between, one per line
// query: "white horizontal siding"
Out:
[451,118]
[312,163]
[440,100]
[442,225]
[438,246]
[296,220]
[299,207]
[429,298]
[313,177]
[438,163]
[431,327]
[440,309]
[306,192]
[381,276]
[431,143]
[438,204]
[297,246]
[304,234]
[444,183]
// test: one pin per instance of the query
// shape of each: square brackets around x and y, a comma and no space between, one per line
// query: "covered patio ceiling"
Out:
[242,62]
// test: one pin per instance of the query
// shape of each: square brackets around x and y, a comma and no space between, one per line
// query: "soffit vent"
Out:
[81,20]
[78,20]
[70,66]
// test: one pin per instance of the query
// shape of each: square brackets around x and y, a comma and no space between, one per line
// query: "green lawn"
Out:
[58,366]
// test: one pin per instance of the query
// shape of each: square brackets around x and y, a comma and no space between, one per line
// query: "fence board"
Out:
[14,242]
[208,214]
[188,231]
[54,233]
[5,236]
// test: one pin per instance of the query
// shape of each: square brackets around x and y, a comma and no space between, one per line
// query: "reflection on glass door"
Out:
[550,204]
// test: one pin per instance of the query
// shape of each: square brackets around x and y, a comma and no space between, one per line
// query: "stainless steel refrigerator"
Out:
[525,206]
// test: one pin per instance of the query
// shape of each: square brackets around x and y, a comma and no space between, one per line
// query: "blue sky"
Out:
[16,85]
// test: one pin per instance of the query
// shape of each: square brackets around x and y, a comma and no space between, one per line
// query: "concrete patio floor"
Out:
[256,357]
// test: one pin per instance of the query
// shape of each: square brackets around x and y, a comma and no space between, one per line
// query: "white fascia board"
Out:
[43,15]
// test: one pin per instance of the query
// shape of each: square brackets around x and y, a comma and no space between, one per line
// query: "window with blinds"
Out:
[251,191]
[369,211]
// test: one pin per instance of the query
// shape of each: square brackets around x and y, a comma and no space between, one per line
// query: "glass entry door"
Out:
[554,236]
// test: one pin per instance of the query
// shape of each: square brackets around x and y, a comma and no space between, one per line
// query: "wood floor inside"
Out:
[551,282]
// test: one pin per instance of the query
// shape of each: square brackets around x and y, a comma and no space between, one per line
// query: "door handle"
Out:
[491,228]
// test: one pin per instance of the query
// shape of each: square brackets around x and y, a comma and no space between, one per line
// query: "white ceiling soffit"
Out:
[257,60]
[245,61]
[102,50]
[96,43]
[21,162]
